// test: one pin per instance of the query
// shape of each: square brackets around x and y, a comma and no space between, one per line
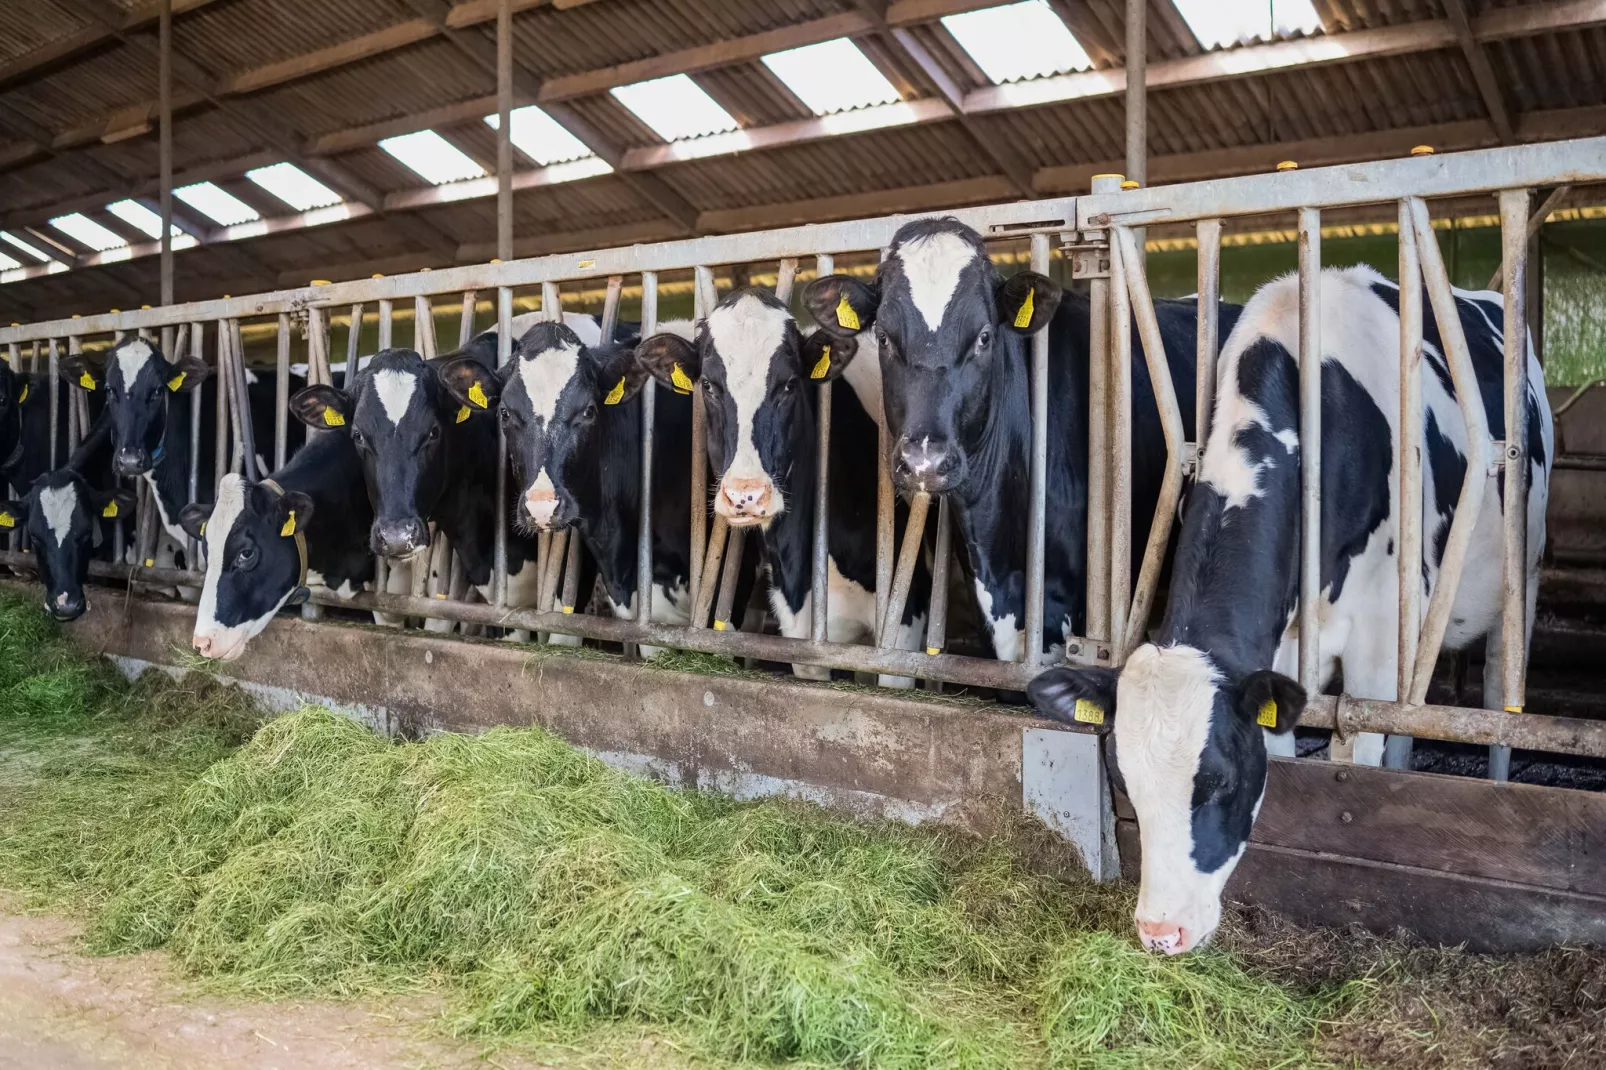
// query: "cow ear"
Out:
[187,373]
[841,304]
[74,368]
[825,356]
[112,504]
[193,517]
[13,515]
[671,360]
[321,407]
[291,513]
[1076,696]
[472,385]
[620,375]
[1271,700]
[1027,301]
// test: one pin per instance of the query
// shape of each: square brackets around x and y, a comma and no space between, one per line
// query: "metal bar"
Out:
[1137,85]
[1514,609]
[786,276]
[1209,341]
[424,326]
[649,400]
[942,559]
[1037,519]
[552,574]
[504,351]
[75,432]
[465,322]
[386,324]
[610,307]
[227,363]
[504,130]
[727,579]
[1098,451]
[551,302]
[1165,397]
[713,558]
[886,521]
[820,583]
[55,401]
[1470,502]
[164,83]
[702,306]
[220,441]
[571,575]
[440,566]
[1310,453]
[242,396]
[1408,507]
[196,339]
[1119,390]
[281,394]
[318,368]
[1557,198]
[898,597]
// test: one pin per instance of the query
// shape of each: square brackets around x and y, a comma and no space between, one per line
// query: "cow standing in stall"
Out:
[1189,710]
[62,519]
[755,371]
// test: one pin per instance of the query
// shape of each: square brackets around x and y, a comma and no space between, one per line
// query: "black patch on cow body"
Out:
[1449,467]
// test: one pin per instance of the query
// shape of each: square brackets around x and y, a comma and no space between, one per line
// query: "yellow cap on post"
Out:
[376,275]
[1110,174]
[1288,165]
[1422,150]
[1131,183]
[320,282]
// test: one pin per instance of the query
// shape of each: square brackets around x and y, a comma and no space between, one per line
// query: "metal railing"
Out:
[1101,234]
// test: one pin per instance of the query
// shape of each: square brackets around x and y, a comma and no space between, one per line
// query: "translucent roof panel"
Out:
[434,158]
[81,228]
[8,263]
[832,76]
[140,217]
[17,243]
[539,137]
[216,203]
[675,107]
[1220,23]
[294,186]
[1018,41]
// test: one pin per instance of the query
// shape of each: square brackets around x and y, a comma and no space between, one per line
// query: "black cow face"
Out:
[754,371]
[253,566]
[139,383]
[549,397]
[398,416]
[941,319]
[61,517]
[13,389]
[1190,753]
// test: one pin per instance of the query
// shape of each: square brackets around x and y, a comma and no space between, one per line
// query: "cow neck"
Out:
[170,474]
[607,490]
[788,541]
[329,471]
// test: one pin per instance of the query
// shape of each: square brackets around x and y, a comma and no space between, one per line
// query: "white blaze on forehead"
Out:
[747,334]
[131,357]
[1163,706]
[58,505]
[395,391]
[933,264]
[544,376]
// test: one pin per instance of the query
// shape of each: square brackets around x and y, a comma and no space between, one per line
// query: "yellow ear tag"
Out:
[331,418]
[1088,712]
[177,381]
[7,520]
[203,529]
[678,376]
[24,395]
[822,367]
[110,512]
[617,394]
[476,394]
[464,413]
[1267,717]
[289,528]
[845,316]
[86,381]
[1023,318]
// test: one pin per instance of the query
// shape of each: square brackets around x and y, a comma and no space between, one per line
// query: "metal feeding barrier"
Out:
[1101,235]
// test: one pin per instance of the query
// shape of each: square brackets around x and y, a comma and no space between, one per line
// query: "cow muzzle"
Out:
[130,461]
[400,538]
[66,607]
[746,501]
[1170,937]
[541,507]
[224,647]
[928,464]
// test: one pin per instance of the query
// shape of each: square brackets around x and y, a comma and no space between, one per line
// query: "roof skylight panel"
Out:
[1019,41]
[17,243]
[8,263]
[1222,23]
[140,218]
[216,203]
[676,108]
[540,137]
[81,228]
[832,76]
[294,186]
[432,157]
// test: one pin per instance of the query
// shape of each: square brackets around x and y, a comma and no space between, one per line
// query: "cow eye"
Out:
[246,558]
[590,413]
[789,386]
[434,433]
[711,388]
[985,338]
[357,438]
[505,415]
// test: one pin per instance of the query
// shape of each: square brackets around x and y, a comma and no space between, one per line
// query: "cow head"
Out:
[948,330]
[549,397]
[754,370]
[401,418]
[61,518]
[139,383]
[253,565]
[13,392]
[1191,755]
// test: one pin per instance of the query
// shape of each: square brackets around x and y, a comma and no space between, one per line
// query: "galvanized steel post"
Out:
[1408,506]
[1514,621]
[164,151]
[1099,460]
[1119,389]
[649,324]
[1137,74]
[1037,518]
[1310,452]
[701,307]
[820,593]
[504,351]
[55,400]
[1208,345]
[281,393]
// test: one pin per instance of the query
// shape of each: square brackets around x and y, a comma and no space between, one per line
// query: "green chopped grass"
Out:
[553,899]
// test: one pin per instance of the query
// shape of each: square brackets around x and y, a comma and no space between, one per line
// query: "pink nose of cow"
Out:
[1164,936]
[202,645]
[745,501]
[539,505]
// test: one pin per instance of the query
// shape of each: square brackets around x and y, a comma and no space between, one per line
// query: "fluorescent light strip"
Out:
[832,76]
[676,108]
[216,203]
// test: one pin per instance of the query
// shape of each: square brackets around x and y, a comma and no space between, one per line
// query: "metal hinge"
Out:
[1089,261]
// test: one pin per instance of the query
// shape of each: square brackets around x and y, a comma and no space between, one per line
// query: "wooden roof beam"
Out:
[54,54]
[1482,70]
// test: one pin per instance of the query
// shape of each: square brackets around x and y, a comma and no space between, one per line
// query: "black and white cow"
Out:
[306,526]
[61,518]
[756,373]
[571,412]
[1188,710]
[25,429]
[955,364]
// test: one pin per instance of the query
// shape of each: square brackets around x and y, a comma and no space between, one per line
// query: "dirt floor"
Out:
[63,1010]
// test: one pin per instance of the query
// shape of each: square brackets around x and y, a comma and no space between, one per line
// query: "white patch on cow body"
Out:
[175,533]
[58,504]
[132,356]
[1006,634]
[746,334]
[395,390]
[933,264]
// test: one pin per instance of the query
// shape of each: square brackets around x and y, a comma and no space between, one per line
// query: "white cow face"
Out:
[1190,753]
